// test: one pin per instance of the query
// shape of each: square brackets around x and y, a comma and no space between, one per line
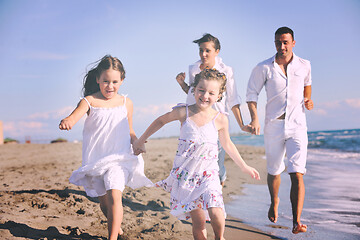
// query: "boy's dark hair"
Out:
[207,37]
[105,63]
[284,30]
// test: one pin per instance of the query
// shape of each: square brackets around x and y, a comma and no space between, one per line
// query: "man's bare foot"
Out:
[298,228]
[222,183]
[273,211]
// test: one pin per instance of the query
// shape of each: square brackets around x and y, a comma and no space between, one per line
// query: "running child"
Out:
[194,182]
[108,162]
[209,48]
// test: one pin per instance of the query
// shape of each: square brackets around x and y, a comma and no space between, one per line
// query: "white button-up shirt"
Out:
[230,96]
[285,94]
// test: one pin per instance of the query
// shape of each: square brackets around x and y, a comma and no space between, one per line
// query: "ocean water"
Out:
[332,200]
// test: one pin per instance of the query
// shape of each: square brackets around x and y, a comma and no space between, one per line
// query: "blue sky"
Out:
[45,47]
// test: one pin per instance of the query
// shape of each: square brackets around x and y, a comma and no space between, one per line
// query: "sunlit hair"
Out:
[211,74]
[284,30]
[207,37]
[105,63]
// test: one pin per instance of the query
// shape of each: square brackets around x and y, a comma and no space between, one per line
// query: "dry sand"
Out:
[38,202]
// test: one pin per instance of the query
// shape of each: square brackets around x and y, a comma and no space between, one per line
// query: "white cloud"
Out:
[19,129]
[44,56]
[327,108]
[15,125]
[339,114]
[60,113]
[319,111]
[351,102]
[152,110]
[42,126]
[354,103]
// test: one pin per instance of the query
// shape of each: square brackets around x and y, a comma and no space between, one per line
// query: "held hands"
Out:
[254,127]
[65,124]
[247,128]
[180,78]
[138,147]
[309,104]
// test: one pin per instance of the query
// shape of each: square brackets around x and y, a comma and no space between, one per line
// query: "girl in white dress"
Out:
[108,160]
[193,182]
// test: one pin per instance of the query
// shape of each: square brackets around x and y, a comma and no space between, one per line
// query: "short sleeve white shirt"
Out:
[230,97]
[285,94]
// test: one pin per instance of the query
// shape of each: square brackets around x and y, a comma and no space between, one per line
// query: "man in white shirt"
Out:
[209,48]
[287,81]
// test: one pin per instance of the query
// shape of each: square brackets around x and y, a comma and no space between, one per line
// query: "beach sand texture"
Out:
[38,202]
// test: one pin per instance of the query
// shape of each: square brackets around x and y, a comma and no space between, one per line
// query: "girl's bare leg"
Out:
[198,224]
[217,222]
[111,206]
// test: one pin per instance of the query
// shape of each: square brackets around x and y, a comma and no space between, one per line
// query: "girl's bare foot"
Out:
[298,228]
[273,211]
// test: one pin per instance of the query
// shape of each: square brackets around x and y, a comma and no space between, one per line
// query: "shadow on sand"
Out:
[23,230]
[65,193]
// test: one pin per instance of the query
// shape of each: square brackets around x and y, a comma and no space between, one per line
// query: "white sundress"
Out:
[108,161]
[194,179]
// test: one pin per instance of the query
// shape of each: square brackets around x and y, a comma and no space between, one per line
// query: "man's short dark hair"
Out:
[284,30]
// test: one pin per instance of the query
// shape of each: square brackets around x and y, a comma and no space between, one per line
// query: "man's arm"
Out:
[237,113]
[256,83]
[309,104]
[254,125]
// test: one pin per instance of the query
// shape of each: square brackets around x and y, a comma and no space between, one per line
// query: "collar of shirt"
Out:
[293,66]
[219,65]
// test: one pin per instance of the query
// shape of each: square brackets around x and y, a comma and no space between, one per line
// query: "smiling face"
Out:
[109,82]
[207,93]
[207,53]
[284,44]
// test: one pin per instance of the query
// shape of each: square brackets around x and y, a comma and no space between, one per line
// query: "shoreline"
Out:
[37,201]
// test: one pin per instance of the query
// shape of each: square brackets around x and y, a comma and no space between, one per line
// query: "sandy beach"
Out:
[38,202]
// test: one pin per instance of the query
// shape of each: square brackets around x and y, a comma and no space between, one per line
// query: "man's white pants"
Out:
[279,141]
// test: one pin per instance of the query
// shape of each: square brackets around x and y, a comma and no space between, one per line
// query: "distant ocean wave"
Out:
[340,140]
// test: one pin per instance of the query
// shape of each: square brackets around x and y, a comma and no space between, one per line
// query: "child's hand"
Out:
[180,78]
[65,124]
[252,172]
[138,147]
[309,104]
[247,128]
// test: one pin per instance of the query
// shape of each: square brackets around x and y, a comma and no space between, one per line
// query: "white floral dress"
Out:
[194,182]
